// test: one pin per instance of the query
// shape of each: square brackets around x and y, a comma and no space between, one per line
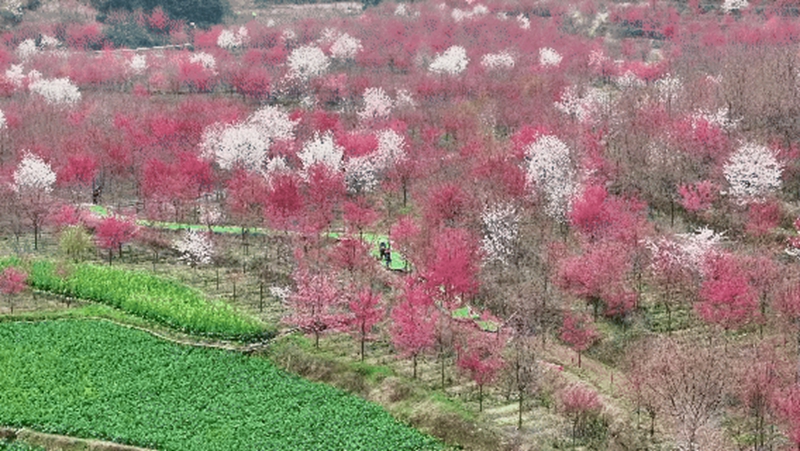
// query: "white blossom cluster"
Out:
[33,173]
[500,233]
[452,61]
[500,60]
[56,91]
[362,173]
[583,107]
[403,99]
[237,144]
[550,172]
[688,250]
[273,124]
[206,60]
[597,58]
[524,22]
[230,40]
[246,144]
[377,104]
[49,41]
[629,80]
[752,172]
[2,120]
[548,57]
[15,74]
[391,148]
[26,49]
[209,213]
[720,118]
[322,149]
[138,64]
[195,248]
[477,11]
[699,245]
[306,62]
[731,5]
[345,47]
[669,88]
[280,293]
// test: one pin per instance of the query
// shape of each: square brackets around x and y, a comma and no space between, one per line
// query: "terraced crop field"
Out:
[95,379]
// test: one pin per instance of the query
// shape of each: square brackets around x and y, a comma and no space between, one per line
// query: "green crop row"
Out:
[6,445]
[98,380]
[147,296]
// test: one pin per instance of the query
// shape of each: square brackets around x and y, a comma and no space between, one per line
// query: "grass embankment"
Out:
[147,296]
[95,379]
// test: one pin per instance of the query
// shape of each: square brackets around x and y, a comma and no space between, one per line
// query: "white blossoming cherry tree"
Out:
[33,183]
[195,248]
[753,172]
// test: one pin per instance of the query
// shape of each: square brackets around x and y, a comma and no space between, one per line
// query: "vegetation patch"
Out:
[147,296]
[98,380]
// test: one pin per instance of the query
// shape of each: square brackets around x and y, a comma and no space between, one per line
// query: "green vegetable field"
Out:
[147,296]
[95,379]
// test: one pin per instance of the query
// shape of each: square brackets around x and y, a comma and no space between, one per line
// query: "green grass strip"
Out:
[94,379]
[147,296]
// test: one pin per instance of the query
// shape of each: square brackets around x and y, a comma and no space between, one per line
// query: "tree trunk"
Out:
[519,413]
[414,358]
[363,340]
[261,298]
[480,398]
[441,359]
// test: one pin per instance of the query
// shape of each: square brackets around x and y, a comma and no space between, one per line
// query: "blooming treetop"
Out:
[56,91]
[273,124]
[377,104]
[752,172]
[204,59]
[688,250]
[230,40]
[478,10]
[195,248]
[345,46]
[730,5]
[549,57]
[247,143]
[582,107]
[15,74]
[391,148]
[501,60]
[26,49]
[238,144]
[500,232]
[452,61]
[322,149]
[138,64]
[550,170]
[361,173]
[523,22]
[306,62]
[33,174]
[720,118]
